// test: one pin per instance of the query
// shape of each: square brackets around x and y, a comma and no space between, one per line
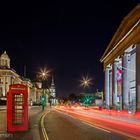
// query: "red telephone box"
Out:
[17,108]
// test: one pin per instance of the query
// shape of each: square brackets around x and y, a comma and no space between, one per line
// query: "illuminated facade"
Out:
[52,89]
[9,76]
[121,62]
[36,92]
[28,83]
[53,92]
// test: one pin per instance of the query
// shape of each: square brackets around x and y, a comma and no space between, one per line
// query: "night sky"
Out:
[67,36]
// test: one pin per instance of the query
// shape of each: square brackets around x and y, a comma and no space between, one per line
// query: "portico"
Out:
[121,62]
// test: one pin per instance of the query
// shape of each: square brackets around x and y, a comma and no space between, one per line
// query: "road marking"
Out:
[111,129]
[66,114]
[87,123]
[43,127]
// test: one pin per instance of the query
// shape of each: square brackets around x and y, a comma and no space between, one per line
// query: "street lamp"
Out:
[86,81]
[43,75]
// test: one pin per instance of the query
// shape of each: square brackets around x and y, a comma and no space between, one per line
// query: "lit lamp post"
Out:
[42,76]
[85,82]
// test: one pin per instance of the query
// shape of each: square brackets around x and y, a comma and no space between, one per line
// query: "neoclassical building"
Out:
[9,76]
[121,62]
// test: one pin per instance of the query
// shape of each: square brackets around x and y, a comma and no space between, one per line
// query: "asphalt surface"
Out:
[60,126]
[57,126]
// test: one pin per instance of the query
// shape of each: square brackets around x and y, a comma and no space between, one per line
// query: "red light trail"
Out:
[101,120]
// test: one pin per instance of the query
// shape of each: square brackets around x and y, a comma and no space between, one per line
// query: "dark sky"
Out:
[67,36]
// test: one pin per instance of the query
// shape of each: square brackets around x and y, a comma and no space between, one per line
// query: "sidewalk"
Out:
[119,112]
[32,133]
[119,115]
[2,108]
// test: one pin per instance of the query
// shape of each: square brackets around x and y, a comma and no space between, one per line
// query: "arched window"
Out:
[6,62]
[2,62]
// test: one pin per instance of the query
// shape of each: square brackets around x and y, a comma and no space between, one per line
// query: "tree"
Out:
[72,97]
[87,99]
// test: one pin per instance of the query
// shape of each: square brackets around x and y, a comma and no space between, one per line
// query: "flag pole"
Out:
[24,70]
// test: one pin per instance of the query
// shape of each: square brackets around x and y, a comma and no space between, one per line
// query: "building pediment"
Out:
[126,35]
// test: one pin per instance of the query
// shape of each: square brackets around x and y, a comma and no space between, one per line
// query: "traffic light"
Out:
[43,100]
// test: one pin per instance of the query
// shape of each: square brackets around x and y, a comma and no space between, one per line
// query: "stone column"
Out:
[138,77]
[125,81]
[110,88]
[107,86]
[4,91]
[114,82]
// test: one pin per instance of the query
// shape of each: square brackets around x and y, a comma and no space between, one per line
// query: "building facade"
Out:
[121,62]
[53,92]
[36,92]
[9,76]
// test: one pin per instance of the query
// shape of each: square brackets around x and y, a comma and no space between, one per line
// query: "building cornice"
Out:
[132,39]
[126,35]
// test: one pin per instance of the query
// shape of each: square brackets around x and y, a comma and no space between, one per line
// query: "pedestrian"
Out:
[50,102]
[42,107]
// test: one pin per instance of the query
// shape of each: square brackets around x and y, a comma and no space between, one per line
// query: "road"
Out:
[125,125]
[55,124]
[60,126]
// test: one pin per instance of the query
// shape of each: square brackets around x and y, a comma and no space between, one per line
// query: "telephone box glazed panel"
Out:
[17,108]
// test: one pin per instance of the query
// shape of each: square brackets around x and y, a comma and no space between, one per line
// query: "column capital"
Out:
[125,53]
[108,67]
[116,61]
